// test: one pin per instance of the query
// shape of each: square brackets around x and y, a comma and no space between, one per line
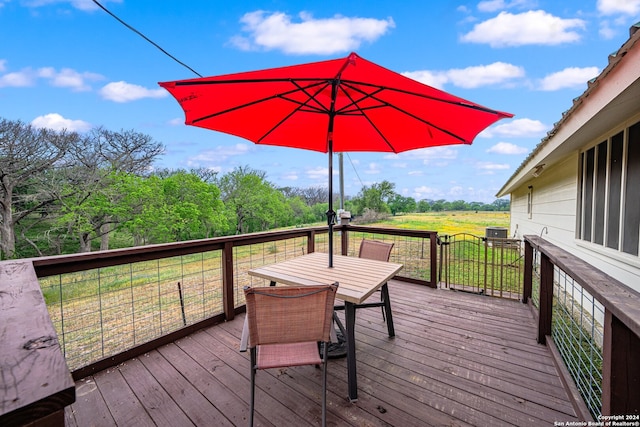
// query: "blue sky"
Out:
[68,64]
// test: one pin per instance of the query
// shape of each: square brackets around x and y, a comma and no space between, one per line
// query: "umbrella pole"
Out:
[331,215]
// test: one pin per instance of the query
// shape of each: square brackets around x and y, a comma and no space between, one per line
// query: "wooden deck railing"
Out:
[620,322]
[113,305]
[35,383]
[210,274]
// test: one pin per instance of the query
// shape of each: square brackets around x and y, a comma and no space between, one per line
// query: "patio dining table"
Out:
[358,278]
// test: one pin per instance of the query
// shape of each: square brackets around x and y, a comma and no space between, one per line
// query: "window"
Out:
[530,202]
[608,202]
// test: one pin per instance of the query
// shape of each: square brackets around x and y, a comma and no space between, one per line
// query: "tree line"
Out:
[65,192]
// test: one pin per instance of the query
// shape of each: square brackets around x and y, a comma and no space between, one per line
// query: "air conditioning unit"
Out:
[496,232]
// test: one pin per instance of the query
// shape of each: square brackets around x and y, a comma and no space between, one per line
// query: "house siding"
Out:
[554,207]
[554,204]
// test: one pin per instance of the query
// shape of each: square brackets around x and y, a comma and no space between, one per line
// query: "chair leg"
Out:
[253,386]
[325,357]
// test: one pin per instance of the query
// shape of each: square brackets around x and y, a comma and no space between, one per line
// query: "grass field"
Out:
[449,222]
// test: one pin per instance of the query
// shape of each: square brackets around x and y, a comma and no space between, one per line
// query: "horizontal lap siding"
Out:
[554,203]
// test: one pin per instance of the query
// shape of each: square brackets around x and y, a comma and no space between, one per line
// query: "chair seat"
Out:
[290,354]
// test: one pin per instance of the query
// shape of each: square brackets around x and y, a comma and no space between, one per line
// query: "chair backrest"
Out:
[372,249]
[289,314]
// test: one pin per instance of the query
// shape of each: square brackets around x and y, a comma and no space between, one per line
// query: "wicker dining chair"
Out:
[379,251]
[285,325]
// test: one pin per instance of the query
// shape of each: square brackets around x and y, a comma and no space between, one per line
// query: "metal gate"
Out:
[483,265]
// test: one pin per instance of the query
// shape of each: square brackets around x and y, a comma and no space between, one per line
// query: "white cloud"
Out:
[507,148]
[495,5]
[22,78]
[483,75]
[125,92]
[605,31]
[614,7]
[456,191]
[489,168]
[431,155]
[568,78]
[290,176]
[73,79]
[56,122]
[318,174]
[491,5]
[516,128]
[309,36]
[85,5]
[373,169]
[492,166]
[178,121]
[219,154]
[3,64]
[435,79]
[425,192]
[533,27]
[470,77]
[66,77]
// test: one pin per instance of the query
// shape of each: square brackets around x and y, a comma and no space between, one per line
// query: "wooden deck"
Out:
[457,359]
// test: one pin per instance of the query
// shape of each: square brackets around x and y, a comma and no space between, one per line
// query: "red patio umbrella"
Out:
[339,105]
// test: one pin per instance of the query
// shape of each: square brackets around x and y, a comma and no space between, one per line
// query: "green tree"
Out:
[194,206]
[424,206]
[502,204]
[458,205]
[438,205]
[402,204]
[374,197]
[95,182]
[252,202]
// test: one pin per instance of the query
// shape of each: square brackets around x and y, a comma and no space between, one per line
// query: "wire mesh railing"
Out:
[591,321]
[577,332]
[487,266]
[113,305]
[104,311]
[413,252]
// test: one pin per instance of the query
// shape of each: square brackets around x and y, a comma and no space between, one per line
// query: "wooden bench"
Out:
[35,382]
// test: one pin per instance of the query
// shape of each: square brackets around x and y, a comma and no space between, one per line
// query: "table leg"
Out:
[350,320]
[387,311]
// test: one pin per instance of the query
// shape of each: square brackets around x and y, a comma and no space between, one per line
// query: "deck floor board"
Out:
[458,359]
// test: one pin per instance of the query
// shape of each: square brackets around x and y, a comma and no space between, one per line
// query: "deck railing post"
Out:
[528,272]
[433,239]
[344,230]
[227,281]
[311,241]
[620,368]
[546,298]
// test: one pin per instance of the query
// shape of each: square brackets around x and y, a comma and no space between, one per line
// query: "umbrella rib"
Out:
[310,97]
[384,103]
[258,101]
[364,114]
[352,84]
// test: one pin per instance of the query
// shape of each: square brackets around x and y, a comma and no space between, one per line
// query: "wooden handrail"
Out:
[35,383]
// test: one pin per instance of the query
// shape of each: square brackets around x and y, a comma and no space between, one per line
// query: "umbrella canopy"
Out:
[339,105]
